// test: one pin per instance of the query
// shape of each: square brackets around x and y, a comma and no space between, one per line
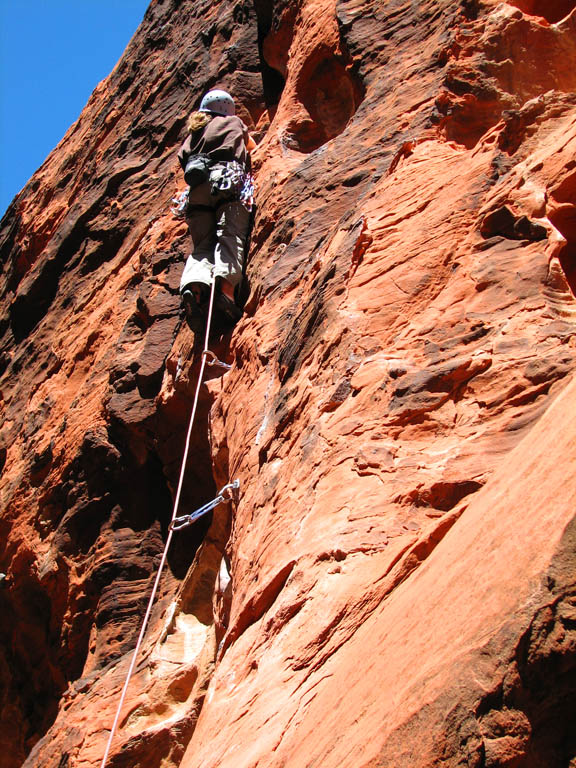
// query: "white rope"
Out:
[205,355]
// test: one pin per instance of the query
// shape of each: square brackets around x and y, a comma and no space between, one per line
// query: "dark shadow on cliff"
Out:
[551,10]
[531,716]
[563,217]
[267,14]
[108,517]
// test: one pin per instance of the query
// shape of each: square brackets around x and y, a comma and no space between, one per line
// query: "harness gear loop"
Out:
[225,494]
[213,360]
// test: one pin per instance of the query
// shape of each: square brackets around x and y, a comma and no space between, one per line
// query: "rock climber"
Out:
[215,159]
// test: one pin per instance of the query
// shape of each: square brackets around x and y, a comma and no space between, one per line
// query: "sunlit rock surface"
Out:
[394,585]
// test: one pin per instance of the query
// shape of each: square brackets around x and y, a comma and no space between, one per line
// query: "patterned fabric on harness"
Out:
[234,182]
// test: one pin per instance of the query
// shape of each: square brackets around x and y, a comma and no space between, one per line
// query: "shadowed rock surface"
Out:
[395,585]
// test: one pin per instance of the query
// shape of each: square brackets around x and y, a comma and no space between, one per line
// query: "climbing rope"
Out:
[176,523]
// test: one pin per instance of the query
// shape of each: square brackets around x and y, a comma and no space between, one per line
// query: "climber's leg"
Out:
[201,222]
[233,223]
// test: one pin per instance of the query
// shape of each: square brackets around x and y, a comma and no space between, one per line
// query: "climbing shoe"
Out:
[191,306]
[195,307]
[225,311]
[195,298]
[200,292]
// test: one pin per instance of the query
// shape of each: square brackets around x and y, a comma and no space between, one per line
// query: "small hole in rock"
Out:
[331,95]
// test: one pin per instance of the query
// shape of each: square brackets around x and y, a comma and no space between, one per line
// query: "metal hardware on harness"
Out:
[211,359]
[225,494]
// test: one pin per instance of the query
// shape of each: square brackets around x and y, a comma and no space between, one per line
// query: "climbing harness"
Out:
[233,181]
[225,494]
[228,178]
[229,181]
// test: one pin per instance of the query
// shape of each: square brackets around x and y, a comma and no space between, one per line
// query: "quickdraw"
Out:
[225,494]
[212,360]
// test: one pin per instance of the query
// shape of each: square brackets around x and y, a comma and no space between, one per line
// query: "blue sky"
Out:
[53,53]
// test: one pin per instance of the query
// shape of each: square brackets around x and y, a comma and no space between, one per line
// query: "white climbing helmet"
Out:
[219,102]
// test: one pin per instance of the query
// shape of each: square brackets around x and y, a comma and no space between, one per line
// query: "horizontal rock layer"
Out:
[394,584]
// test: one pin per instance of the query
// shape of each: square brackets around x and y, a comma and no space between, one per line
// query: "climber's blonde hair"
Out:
[198,120]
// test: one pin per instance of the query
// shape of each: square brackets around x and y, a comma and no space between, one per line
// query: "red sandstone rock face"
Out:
[395,584]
